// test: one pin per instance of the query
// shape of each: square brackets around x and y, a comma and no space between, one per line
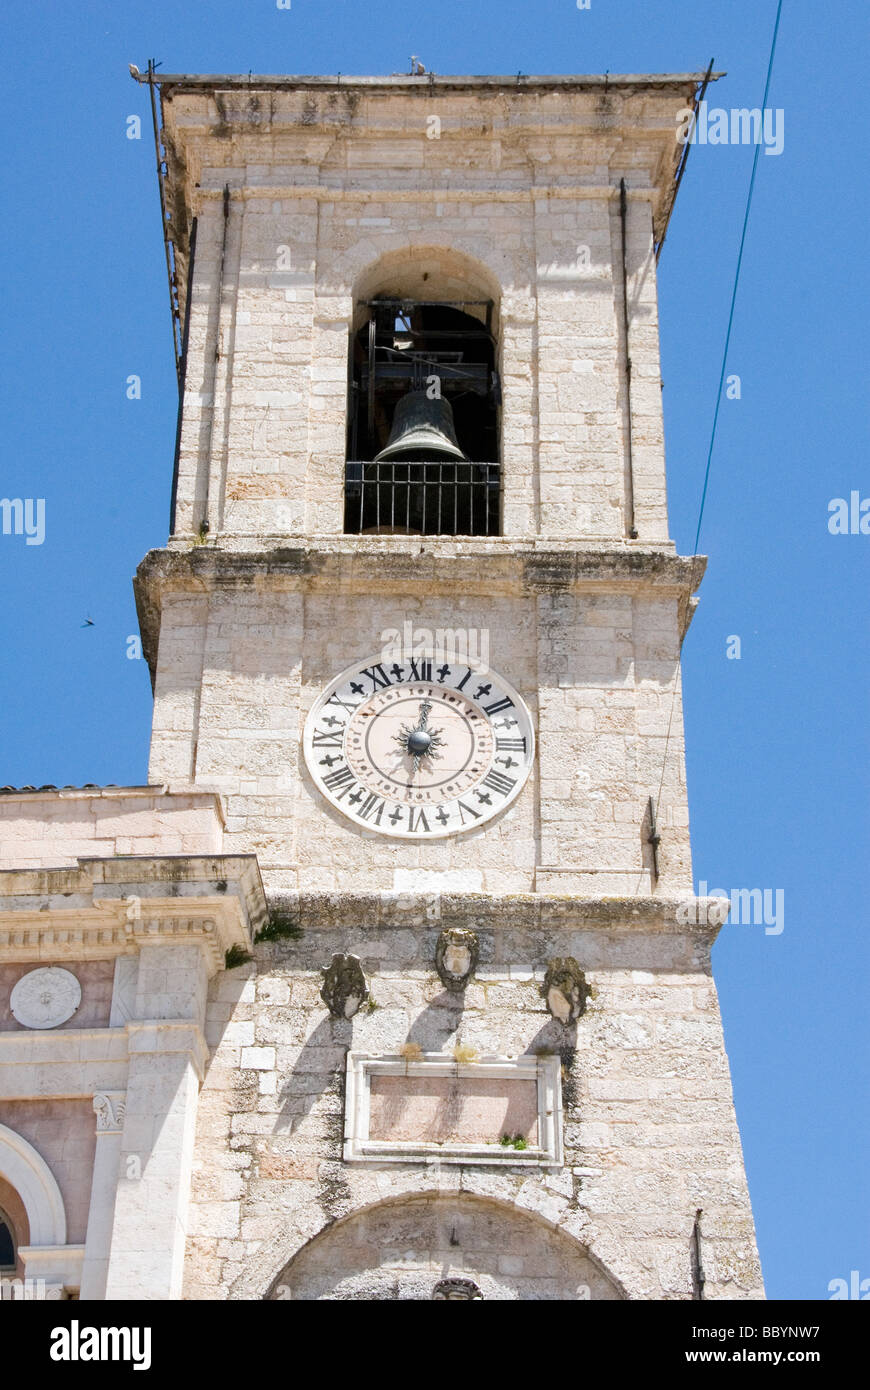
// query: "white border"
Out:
[433,656]
[362,1066]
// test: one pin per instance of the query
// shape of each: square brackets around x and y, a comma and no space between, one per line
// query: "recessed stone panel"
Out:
[490,1110]
[464,1109]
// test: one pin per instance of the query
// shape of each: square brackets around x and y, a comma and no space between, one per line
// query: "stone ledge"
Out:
[192,82]
[528,911]
[37,1065]
[102,908]
[490,567]
[60,1266]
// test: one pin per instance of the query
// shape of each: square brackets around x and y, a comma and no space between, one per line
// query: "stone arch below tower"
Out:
[405,1249]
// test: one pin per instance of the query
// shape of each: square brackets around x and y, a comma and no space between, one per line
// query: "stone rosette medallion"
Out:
[45,998]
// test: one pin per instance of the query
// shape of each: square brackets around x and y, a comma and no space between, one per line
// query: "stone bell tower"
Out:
[415,642]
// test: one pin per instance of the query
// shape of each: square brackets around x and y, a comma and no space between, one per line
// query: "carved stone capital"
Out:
[110,1108]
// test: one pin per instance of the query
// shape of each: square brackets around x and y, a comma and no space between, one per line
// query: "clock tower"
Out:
[415,636]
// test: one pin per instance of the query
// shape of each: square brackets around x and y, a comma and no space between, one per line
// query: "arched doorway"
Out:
[8,1244]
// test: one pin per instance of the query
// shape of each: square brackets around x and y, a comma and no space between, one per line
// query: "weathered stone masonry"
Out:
[227,1154]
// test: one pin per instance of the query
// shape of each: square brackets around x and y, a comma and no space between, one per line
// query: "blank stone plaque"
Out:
[435,1108]
[464,1109]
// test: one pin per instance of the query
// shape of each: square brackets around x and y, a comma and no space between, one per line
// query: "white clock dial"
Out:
[419,748]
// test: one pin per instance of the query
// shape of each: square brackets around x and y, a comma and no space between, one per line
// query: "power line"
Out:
[722,376]
[736,282]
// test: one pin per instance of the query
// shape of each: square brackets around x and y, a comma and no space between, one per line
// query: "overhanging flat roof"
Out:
[212,81]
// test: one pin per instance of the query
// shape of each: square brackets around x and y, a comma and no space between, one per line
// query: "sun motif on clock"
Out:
[419,748]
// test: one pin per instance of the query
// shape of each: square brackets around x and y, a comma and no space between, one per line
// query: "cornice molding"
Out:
[394,565]
[102,908]
[700,918]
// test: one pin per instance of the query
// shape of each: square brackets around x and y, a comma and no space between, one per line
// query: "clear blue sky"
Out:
[777,741]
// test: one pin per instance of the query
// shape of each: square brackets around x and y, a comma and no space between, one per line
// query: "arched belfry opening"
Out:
[423,454]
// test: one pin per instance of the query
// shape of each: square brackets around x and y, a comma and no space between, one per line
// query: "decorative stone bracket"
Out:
[565,989]
[456,957]
[344,986]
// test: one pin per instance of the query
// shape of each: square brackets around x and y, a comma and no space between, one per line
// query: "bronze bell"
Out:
[422,429]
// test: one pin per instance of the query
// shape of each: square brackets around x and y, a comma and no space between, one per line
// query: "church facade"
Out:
[390,983]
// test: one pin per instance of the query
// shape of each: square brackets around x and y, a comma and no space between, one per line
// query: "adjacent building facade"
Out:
[390,983]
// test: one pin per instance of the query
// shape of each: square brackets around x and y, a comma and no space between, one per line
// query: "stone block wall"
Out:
[55,827]
[649,1125]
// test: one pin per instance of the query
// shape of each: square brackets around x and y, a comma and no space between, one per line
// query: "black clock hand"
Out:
[420,742]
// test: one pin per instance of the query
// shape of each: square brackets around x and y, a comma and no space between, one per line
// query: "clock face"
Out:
[419,748]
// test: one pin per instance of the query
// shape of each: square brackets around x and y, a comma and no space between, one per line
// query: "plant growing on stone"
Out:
[515,1141]
[279,927]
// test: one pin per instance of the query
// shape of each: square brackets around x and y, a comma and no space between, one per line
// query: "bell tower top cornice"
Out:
[398,81]
[234,112]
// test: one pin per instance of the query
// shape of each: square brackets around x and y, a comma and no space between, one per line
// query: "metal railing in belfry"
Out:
[443,498]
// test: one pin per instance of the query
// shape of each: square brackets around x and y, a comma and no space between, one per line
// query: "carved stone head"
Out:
[344,986]
[565,989]
[456,956]
[456,1291]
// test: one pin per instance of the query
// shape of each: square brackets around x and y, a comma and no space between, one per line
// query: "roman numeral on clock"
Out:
[321,738]
[420,671]
[339,778]
[498,705]
[497,782]
[510,745]
[334,700]
[377,675]
[417,820]
[372,808]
